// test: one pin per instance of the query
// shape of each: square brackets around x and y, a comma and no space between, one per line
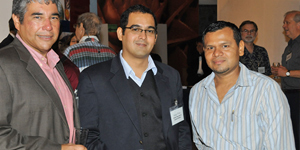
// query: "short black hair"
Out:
[218,25]
[248,22]
[132,9]
[12,25]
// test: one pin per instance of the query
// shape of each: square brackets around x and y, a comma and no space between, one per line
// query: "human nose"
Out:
[142,34]
[218,52]
[47,25]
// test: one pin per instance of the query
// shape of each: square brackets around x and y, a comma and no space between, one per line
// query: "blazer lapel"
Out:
[165,95]
[40,77]
[122,89]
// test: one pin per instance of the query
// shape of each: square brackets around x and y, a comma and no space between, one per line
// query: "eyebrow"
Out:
[38,14]
[135,25]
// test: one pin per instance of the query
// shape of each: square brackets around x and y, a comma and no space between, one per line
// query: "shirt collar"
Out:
[243,80]
[92,37]
[52,58]
[128,70]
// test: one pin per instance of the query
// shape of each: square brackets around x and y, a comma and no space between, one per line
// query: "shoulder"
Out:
[165,69]
[101,68]
[260,48]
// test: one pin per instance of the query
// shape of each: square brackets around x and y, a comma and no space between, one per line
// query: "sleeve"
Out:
[185,142]
[11,139]
[88,112]
[276,120]
[196,137]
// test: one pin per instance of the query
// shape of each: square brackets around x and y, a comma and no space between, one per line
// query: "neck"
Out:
[250,47]
[138,65]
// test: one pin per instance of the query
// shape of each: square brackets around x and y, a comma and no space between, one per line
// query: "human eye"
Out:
[55,17]
[37,17]
[209,48]
[225,46]
[150,31]
[136,29]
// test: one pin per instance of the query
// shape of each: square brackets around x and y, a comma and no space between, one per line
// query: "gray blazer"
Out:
[31,113]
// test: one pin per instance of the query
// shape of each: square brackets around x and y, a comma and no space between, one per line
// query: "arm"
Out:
[275,120]
[88,111]
[10,138]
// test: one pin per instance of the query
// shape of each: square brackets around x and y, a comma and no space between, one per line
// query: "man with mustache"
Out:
[235,108]
[289,71]
[255,57]
[37,104]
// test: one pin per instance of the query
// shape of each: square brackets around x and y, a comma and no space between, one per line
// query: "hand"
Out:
[281,71]
[274,70]
[71,146]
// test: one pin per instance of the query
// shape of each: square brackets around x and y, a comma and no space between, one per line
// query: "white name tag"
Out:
[288,57]
[176,115]
[261,69]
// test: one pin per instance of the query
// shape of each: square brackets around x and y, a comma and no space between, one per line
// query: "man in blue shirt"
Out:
[234,107]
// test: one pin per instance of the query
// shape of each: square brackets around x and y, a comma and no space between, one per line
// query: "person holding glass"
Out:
[289,71]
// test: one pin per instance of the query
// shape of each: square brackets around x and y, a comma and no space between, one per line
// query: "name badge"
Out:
[176,113]
[261,69]
[288,57]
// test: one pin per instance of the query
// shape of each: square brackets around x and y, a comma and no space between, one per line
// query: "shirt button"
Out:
[146,134]
[144,114]
[220,117]
[142,94]
[141,142]
[41,65]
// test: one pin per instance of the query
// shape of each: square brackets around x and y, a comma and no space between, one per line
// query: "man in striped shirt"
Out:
[235,108]
[88,51]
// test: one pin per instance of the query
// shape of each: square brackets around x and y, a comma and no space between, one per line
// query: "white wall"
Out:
[5,15]
[268,14]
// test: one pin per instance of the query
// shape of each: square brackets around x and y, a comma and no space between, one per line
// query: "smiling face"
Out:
[248,33]
[137,45]
[40,27]
[221,51]
[291,28]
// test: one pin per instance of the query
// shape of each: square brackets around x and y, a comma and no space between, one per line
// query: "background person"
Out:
[289,71]
[89,50]
[255,57]
[11,36]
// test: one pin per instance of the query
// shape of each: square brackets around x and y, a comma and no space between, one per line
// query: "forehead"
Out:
[35,6]
[138,18]
[290,17]
[248,26]
[225,34]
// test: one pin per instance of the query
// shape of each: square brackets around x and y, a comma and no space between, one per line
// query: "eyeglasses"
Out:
[247,31]
[137,30]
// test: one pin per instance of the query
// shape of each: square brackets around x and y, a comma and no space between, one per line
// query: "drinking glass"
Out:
[276,64]
[80,136]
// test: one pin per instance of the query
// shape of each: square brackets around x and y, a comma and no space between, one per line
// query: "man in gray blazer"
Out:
[132,102]
[37,107]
